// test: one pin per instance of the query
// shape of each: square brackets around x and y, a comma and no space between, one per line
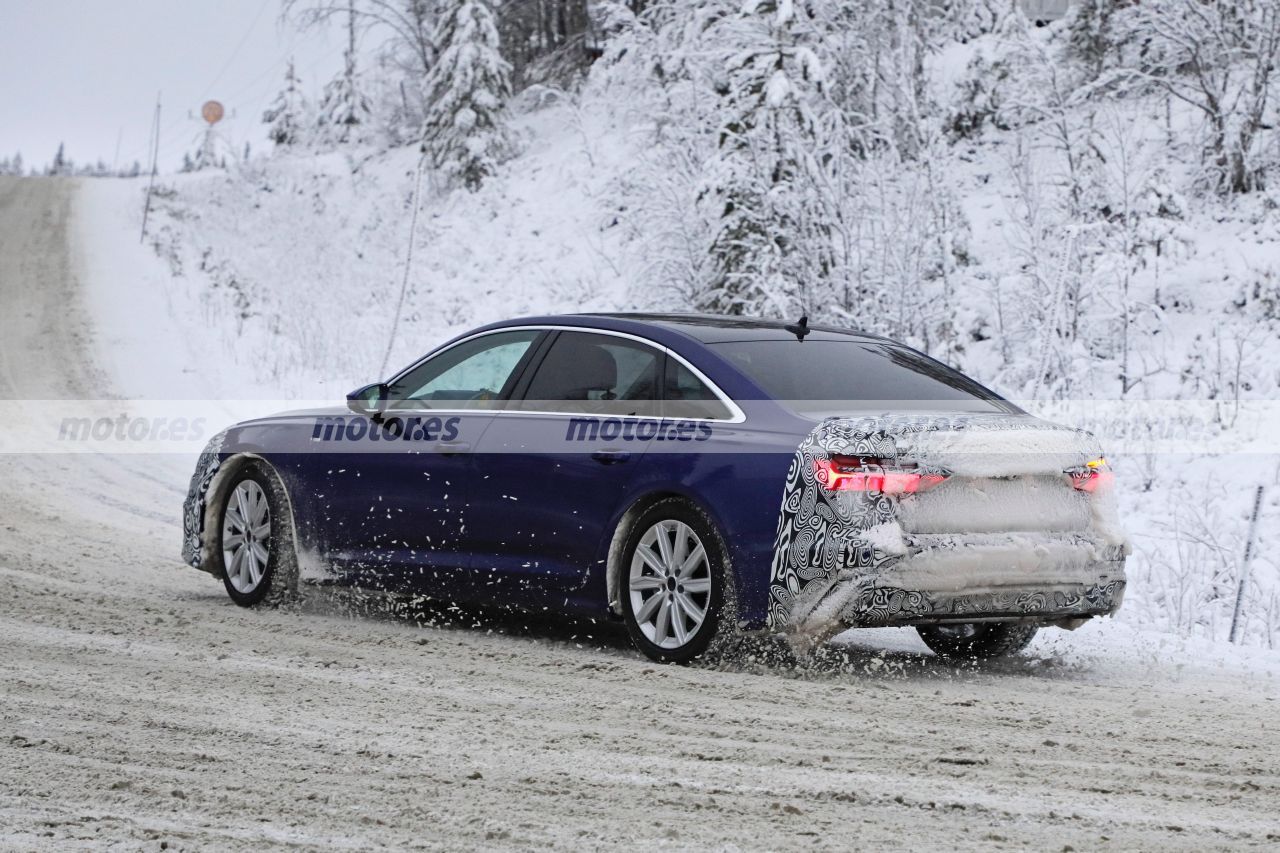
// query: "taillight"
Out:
[1094,475]
[865,474]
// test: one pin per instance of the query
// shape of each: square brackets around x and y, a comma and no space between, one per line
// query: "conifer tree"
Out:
[770,252]
[287,114]
[465,130]
[345,111]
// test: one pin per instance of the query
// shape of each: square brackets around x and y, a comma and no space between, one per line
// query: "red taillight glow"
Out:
[855,474]
[1093,476]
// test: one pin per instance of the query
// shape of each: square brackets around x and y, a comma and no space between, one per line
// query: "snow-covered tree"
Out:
[546,41]
[1093,39]
[210,154]
[414,23]
[390,94]
[961,20]
[771,250]
[465,131]
[1220,57]
[410,24]
[345,112]
[287,115]
[60,165]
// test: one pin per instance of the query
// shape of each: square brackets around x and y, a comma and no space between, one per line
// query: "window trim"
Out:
[737,415]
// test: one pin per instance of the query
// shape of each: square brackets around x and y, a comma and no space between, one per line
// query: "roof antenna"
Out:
[799,329]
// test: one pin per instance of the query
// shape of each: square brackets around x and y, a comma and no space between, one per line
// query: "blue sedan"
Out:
[696,477]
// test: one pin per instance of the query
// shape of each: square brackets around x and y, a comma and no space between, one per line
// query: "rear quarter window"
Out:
[687,396]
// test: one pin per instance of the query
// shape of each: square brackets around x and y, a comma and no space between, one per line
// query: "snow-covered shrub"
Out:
[977,99]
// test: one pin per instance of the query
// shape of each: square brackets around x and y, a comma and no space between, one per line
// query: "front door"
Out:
[398,486]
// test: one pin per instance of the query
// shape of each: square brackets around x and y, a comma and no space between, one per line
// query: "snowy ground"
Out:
[138,706]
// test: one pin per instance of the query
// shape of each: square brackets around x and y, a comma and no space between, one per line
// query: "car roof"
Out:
[702,328]
[688,335]
[720,328]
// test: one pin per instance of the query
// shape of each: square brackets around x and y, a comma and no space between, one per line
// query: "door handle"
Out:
[611,457]
[453,448]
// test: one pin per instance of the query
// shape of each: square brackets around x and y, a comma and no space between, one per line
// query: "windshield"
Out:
[833,376]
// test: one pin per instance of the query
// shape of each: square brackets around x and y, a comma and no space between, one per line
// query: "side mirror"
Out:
[370,400]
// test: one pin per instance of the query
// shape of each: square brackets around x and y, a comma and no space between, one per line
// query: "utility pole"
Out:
[155,157]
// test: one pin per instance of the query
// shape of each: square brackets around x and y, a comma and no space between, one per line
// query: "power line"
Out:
[408,263]
[243,40]
[167,133]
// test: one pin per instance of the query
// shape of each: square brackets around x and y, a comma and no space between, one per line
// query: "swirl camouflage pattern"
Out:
[193,508]
[826,540]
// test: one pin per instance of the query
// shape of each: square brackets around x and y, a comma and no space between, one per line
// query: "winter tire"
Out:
[977,640]
[255,541]
[672,582]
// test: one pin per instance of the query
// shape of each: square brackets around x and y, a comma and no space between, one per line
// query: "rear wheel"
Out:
[977,640]
[255,540]
[673,582]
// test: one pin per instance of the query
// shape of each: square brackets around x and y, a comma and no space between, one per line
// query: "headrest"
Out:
[573,369]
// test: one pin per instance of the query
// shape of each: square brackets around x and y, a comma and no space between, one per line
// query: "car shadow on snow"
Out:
[887,653]
[880,655]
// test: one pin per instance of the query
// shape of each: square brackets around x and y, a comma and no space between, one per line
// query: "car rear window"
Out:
[829,376]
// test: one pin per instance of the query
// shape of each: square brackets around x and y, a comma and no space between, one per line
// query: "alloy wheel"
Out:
[670,584]
[246,537]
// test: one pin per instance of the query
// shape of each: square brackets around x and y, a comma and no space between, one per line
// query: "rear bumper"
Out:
[1006,577]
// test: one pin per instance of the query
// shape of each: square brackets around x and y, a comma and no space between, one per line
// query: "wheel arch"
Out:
[614,563]
[216,494]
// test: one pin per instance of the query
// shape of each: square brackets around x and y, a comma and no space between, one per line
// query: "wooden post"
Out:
[1244,566]
[155,157]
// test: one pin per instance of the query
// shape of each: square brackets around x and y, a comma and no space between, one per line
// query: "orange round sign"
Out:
[212,112]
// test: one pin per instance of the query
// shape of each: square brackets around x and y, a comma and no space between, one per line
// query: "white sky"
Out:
[86,72]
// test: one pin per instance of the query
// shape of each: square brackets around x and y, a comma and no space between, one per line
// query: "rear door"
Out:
[554,468]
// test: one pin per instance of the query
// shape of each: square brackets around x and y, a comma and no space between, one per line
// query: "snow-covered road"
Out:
[139,706]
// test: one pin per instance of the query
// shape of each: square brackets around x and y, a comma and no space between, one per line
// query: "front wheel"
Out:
[255,540]
[673,582]
[977,640]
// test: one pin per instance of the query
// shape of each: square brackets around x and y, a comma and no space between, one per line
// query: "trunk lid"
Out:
[1005,473]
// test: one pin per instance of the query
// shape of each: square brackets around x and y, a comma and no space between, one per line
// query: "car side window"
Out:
[586,373]
[472,375]
[687,396]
